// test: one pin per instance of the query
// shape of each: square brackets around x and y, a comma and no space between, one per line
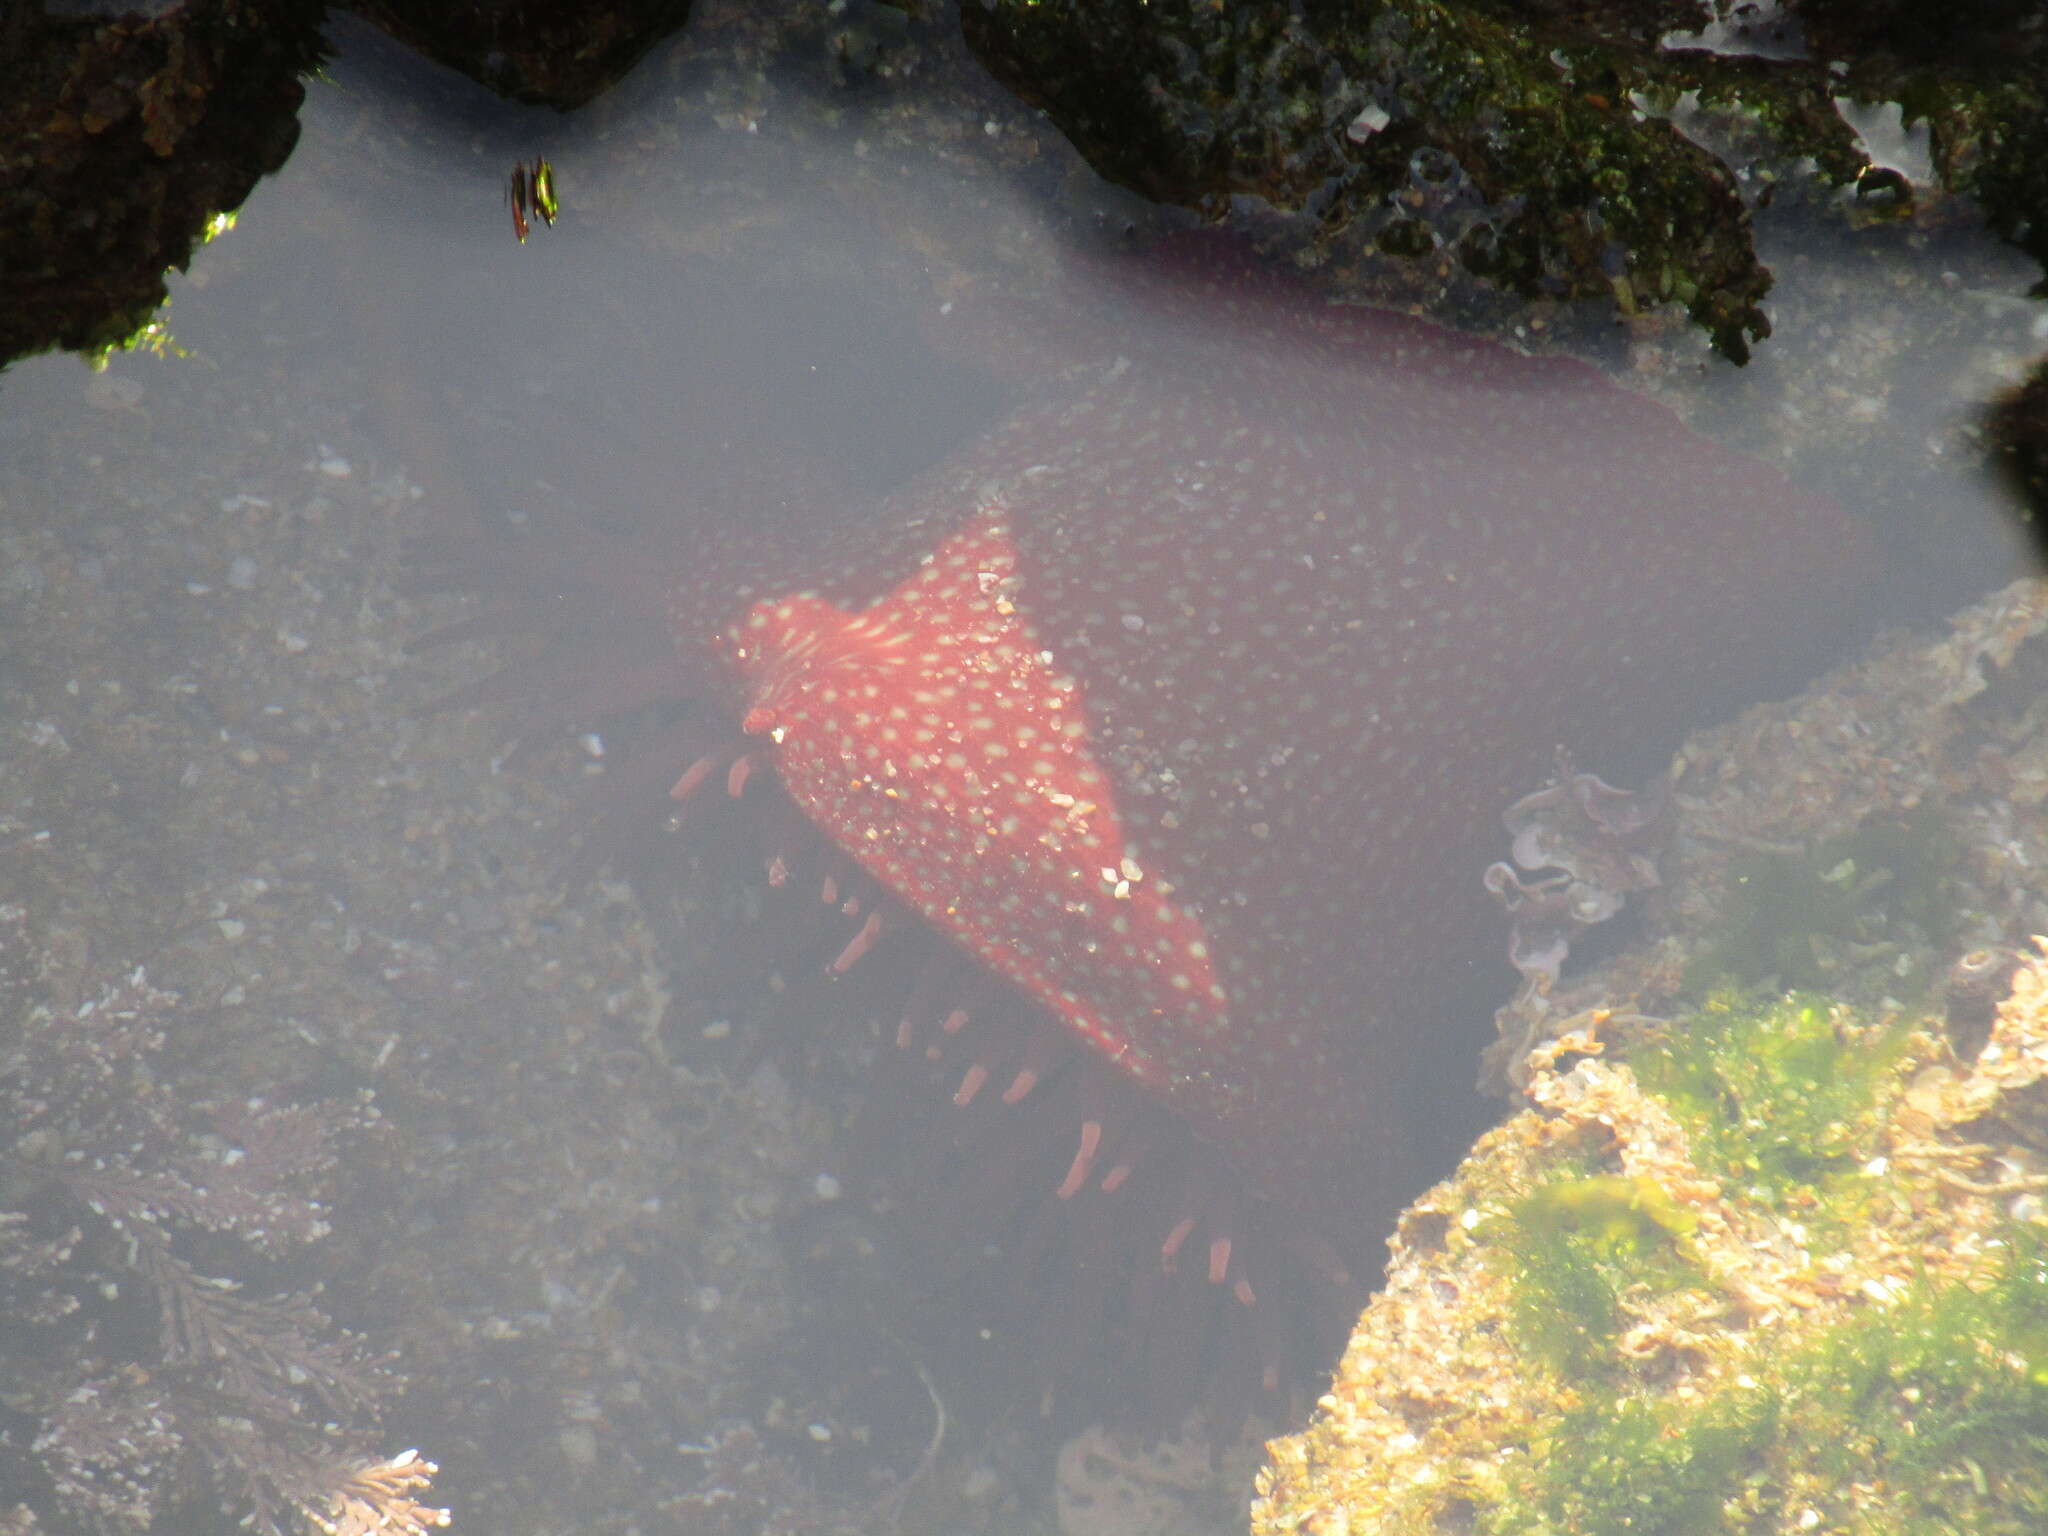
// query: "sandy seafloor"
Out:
[217,758]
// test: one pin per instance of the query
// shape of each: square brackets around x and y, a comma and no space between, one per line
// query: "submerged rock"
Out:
[1769,1261]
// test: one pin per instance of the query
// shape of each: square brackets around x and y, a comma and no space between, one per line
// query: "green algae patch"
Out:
[1573,1248]
[1780,1097]
[1615,1217]
[1947,1391]
[1866,905]
[1628,1466]
[1930,1414]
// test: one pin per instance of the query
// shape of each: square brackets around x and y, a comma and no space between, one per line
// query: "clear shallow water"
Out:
[214,718]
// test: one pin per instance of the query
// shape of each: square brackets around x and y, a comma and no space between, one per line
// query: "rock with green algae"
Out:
[1925,760]
[1536,147]
[1785,1272]
[1769,1262]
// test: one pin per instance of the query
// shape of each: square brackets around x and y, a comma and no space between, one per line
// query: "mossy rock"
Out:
[1515,141]
[1785,1269]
